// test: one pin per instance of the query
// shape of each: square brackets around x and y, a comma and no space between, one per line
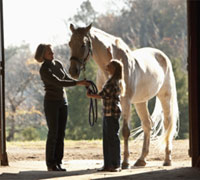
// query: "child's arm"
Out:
[95,96]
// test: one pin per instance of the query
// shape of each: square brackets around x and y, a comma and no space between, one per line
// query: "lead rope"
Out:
[93,102]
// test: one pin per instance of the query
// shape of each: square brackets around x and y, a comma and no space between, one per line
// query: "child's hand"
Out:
[90,94]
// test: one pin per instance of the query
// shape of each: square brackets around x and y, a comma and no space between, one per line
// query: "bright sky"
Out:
[42,21]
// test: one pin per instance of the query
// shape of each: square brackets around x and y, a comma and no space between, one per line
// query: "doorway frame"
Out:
[193,16]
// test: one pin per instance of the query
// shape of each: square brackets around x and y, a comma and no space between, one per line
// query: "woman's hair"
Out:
[39,54]
[119,74]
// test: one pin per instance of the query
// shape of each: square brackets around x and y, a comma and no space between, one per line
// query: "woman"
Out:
[54,78]
[111,92]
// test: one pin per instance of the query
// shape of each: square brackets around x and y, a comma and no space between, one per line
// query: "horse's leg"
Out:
[126,109]
[144,115]
[165,101]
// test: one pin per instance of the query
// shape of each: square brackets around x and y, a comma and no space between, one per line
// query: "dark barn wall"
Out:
[3,154]
[194,74]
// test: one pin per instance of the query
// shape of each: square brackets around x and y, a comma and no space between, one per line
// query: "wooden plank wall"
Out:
[3,154]
[193,8]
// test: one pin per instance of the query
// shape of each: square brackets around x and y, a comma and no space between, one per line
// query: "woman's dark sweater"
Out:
[55,78]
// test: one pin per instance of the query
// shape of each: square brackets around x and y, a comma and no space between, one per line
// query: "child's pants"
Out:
[111,142]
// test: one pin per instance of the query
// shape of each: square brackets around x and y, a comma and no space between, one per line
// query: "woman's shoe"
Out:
[60,168]
[53,168]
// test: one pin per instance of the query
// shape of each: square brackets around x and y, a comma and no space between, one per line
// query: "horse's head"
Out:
[80,45]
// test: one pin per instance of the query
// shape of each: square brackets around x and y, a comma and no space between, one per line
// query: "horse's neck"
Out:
[100,42]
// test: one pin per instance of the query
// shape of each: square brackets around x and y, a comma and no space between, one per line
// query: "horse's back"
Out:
[151,71]
[149,56]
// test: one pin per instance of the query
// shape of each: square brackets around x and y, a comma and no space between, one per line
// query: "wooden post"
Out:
[194,76]
[3,154]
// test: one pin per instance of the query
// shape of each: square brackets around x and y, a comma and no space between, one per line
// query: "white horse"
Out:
[147,72]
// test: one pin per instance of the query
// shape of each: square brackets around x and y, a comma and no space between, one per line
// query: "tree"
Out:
[20,90]
[159,24]
[85,15]
[78,126]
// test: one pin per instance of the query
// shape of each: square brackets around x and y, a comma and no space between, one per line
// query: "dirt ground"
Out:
[83,158]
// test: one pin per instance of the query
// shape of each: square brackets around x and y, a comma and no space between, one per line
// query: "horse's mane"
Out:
[99,32]
[122,45]
[114,41]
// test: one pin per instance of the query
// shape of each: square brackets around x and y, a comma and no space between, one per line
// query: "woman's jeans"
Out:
[111,142]
[56,116]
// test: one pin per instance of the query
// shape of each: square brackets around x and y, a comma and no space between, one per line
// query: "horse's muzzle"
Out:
[74,72]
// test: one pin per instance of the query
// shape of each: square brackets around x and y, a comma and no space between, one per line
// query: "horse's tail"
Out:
[157,116]
[174,125]
[158,131]
[157,119]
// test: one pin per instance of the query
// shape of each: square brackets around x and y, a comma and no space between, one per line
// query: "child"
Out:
[113,88]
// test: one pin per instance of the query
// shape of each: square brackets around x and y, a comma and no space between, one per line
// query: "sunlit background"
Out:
[36,21]
[160,24]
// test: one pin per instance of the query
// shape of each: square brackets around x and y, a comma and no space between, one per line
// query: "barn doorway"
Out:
[193,72]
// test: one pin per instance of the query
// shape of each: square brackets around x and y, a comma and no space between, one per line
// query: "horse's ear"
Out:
[110,52]
[72,27]
[88,28]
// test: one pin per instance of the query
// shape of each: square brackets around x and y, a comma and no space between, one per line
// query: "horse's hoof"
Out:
[167,163]
[140,163]
[125,165]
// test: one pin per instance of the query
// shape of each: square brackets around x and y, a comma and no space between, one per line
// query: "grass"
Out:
[41,144]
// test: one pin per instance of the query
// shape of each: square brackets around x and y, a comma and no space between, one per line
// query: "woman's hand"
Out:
[89,93]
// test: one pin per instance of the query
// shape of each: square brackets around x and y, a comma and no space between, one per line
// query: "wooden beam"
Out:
[193,75]
[3,154]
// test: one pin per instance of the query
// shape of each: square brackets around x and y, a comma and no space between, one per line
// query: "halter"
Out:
[93,110]
[83,63]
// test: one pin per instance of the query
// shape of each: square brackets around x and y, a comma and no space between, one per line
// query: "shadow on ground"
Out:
[36,175]
[183,173]
[176,174]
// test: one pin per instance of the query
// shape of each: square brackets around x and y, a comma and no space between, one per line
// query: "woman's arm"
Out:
[50,78]
[83,83]
[79,83]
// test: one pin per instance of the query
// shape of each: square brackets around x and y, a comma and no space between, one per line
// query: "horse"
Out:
[148,73]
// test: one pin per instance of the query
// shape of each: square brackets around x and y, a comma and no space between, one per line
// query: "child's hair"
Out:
[119,74]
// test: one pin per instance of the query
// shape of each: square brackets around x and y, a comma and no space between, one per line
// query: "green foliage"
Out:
[78,126]
[85,15]
[157,23]
[182,95]
[30,134]
[163,25]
